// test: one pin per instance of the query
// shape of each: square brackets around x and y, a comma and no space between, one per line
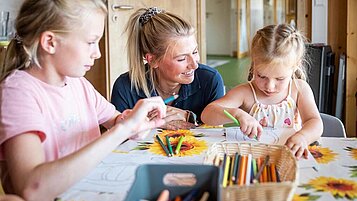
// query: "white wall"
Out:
[319,21]
[218,27]
[256,16]
[13,7]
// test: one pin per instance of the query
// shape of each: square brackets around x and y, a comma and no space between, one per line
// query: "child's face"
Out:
[273,80]
[77,51]
[180,62]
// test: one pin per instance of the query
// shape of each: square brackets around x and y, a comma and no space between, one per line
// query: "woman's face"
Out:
[180,61]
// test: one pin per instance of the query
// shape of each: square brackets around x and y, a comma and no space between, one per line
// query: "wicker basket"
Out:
[280,155]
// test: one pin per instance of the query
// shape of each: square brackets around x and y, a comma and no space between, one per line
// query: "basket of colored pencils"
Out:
[254,171]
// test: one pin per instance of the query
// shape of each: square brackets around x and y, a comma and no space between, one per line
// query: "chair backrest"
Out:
[333,126]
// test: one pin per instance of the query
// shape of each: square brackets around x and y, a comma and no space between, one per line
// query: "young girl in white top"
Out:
[50,114]
[277,95]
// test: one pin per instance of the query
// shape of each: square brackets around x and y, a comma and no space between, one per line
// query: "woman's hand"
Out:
[173,113]
[298,145]
[137,119]
[249,125]
[175,119]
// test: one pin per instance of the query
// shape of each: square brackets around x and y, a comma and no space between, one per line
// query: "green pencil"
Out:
[163,146]
[169,145]
[231,117]
[178,147]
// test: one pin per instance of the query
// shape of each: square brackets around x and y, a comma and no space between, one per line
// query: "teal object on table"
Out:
[149,183]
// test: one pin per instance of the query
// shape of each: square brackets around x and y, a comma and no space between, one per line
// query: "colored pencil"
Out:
[226,171]
[205,196]
[277,174]
[273,173]
[249,167]
[222,168]
[261,169]
[171,98]
[191,195]
[163,146]
[255,168]
[268,179]
[233,158]
[169,145]
[242,170]
[231,117]
[235,168]
[179,144]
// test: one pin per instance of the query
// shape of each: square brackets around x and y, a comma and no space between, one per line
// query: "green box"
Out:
[149,182]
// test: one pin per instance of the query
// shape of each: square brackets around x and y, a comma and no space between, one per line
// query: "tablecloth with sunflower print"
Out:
[336,178]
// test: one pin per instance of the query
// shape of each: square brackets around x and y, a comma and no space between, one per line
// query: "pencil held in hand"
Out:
[231,117]
[171,98]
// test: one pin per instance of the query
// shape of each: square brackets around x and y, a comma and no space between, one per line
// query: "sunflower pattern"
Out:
[353,170]
[353,152]
[322,155]
[305,197]
[338,187]
[190,146]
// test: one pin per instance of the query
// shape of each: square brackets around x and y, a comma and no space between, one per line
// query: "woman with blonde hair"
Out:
[164,61]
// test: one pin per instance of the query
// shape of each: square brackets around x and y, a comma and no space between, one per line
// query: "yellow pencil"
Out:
[226,172]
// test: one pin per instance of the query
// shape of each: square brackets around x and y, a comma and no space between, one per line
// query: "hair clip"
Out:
[18,39]
[150,12]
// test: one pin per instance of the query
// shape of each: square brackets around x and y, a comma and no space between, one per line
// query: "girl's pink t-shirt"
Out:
[65,118]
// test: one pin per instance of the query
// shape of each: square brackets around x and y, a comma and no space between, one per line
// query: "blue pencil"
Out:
[171,98]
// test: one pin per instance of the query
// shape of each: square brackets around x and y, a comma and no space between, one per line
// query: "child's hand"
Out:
[123,115]
[138,120]
[249,125]
[298,145]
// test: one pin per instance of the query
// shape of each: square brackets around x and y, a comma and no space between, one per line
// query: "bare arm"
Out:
[237,102]
[213,112]
[312,126]
[35,179]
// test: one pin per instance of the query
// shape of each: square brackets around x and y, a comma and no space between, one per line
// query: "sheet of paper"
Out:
[269,135]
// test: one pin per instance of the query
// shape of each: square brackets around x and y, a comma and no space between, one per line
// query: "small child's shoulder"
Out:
[242,88]
[302,84]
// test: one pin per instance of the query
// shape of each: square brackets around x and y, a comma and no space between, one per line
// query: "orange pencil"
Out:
[273,173]
[265,174]
[242,170]
[262,169]
[259,164]
[268,173]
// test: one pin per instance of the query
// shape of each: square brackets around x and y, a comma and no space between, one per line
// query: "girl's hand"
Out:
[298,145]
[123,115]
[137,119]
[249,125]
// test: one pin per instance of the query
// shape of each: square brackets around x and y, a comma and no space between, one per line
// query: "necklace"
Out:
[169,93]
